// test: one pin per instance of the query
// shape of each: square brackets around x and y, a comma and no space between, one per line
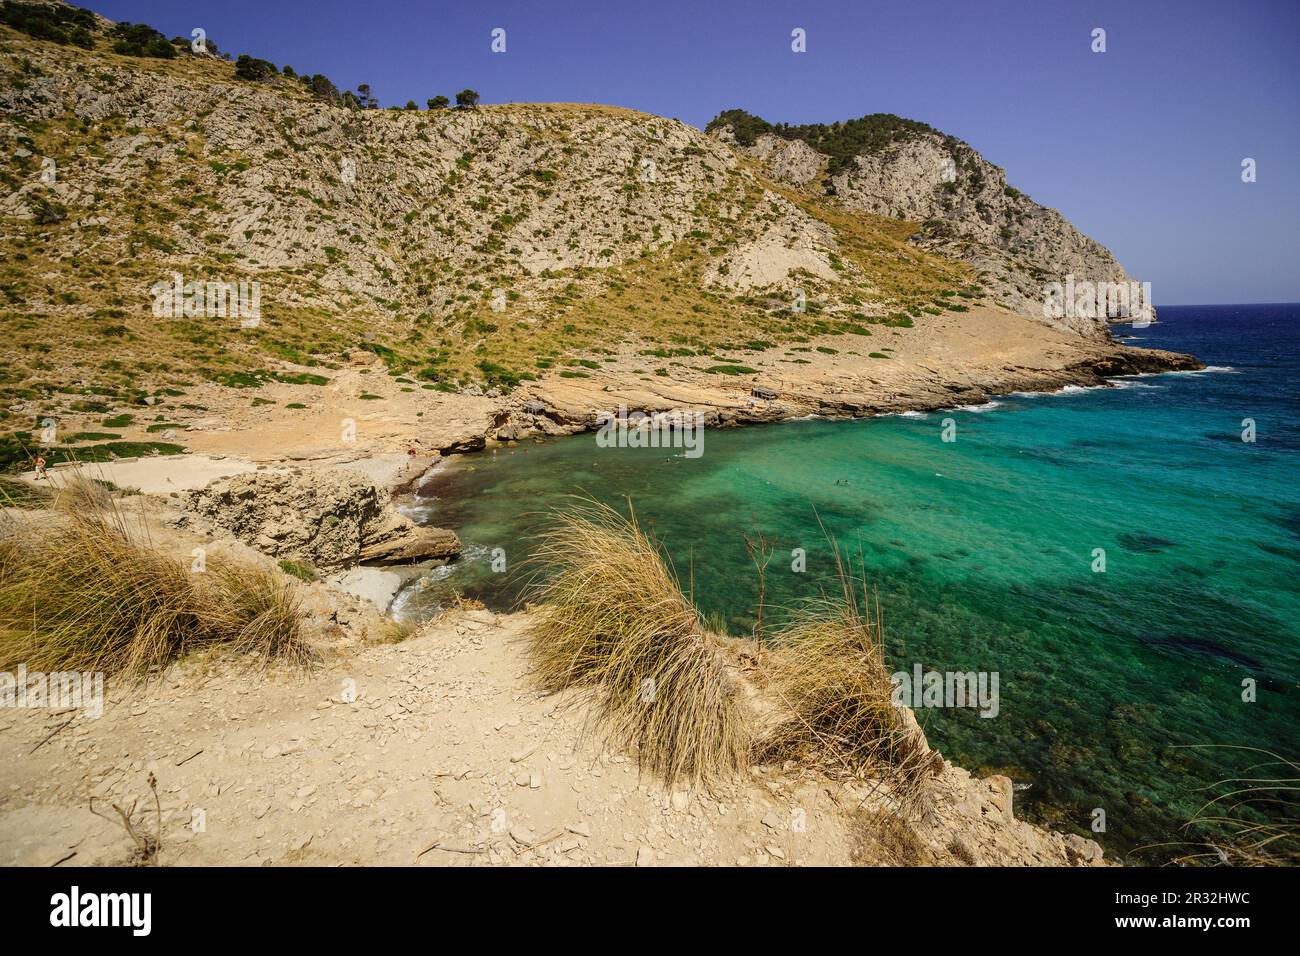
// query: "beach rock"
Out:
[465,445]
[410,542]
[1085,851]
[1000,791]
[371,584]
[329,518]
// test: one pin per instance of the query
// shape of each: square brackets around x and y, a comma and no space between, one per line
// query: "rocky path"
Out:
[440,758]
[433,752]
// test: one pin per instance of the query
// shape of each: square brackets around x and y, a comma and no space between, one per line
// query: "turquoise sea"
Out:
[983,552]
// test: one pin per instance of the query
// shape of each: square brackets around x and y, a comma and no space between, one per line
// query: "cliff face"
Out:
[963,203]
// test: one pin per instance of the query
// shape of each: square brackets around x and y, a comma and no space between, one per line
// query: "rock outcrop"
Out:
[963,203]
[329,518]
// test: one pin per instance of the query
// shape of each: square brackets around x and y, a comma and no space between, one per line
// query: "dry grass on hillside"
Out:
[82,589]
[617,629]
[829,674]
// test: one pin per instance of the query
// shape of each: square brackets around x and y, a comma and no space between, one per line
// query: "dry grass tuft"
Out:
[1253,819]
[614,625]
[16,493]
[84,590]
[830,676]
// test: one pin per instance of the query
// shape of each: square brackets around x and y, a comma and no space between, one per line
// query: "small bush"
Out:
[46,212]
[253,69]
[53,22]
[299,569]
[142,40]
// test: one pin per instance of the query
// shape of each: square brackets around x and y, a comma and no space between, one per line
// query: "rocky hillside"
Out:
[176,223]
[898,168]
[469,247]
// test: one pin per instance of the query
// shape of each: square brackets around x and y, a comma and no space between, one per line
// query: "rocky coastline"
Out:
[540,413]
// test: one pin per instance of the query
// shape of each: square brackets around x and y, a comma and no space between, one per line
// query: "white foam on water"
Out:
[1119,382]
[977,409]
[1131,384]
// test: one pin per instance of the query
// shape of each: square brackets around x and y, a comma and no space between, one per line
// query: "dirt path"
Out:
[441,745]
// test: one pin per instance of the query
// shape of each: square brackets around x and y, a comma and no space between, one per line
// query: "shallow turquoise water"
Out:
[982,551]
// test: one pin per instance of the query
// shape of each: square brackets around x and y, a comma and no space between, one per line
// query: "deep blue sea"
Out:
[1113,683]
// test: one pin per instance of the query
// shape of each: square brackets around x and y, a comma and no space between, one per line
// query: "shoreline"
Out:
[443,473]
[1150,362]
[552,410]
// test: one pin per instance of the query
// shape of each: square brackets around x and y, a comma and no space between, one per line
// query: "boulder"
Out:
[411,543]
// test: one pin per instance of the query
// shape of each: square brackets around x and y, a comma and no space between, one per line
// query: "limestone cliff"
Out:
[964,205]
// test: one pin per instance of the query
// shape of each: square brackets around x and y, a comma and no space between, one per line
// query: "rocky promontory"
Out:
[331,519]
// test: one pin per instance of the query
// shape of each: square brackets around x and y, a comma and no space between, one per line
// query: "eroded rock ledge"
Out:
[329,518]
[567,408]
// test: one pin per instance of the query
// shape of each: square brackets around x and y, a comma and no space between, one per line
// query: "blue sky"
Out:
[1140,146]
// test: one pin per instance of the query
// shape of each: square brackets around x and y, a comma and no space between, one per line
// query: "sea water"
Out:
[1120,689]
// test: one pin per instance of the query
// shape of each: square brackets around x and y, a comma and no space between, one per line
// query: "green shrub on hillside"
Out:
[58,24]
[841,141]
[139,39]
[253,69]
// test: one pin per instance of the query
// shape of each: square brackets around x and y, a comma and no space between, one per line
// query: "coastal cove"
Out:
[983,552]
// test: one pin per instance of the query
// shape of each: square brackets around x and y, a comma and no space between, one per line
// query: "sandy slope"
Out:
[442,745]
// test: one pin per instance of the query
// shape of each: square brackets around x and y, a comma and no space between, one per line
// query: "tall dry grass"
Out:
[828,672]
[614,626]
[613,620]
[83,589]
[1253,819]
[16,493]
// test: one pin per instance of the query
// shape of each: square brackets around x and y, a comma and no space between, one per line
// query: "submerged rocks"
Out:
[329,518]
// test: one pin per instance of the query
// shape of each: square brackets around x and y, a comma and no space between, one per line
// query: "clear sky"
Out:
[1140,147]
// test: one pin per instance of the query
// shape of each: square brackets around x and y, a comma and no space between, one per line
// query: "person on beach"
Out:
[40,468]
